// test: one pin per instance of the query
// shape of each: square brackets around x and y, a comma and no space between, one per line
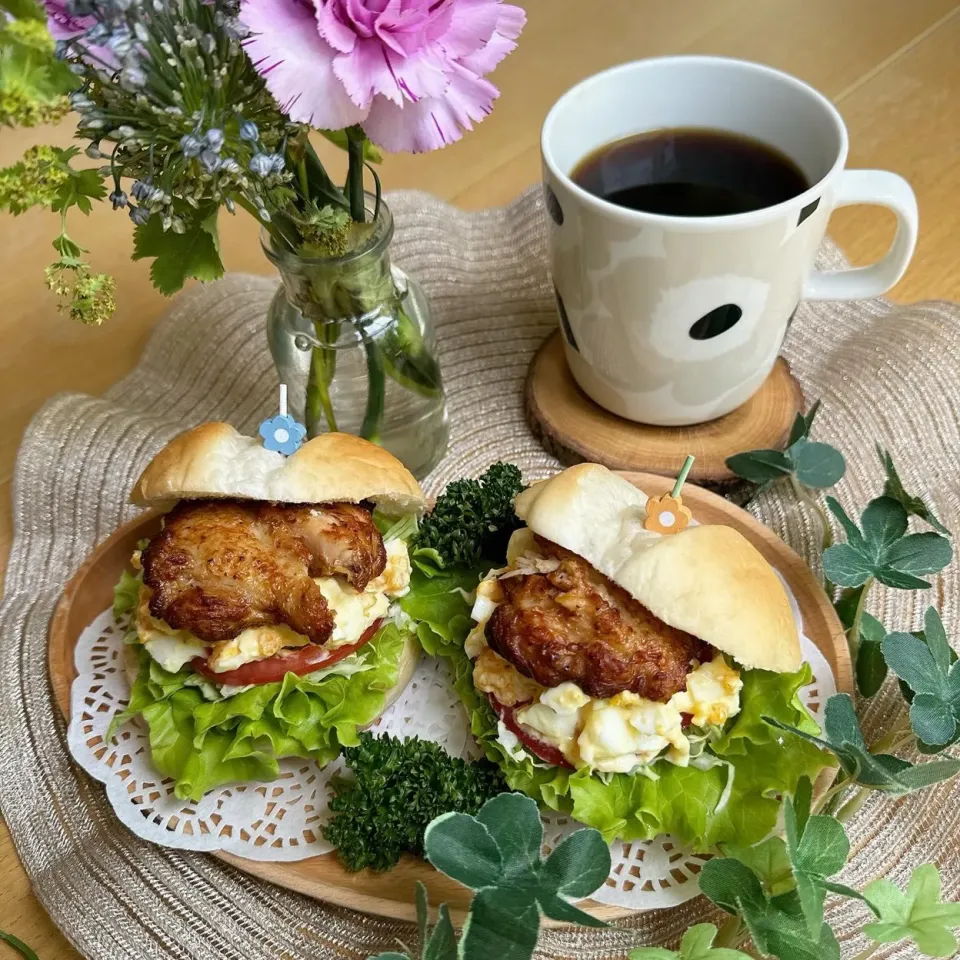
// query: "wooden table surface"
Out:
[892,67]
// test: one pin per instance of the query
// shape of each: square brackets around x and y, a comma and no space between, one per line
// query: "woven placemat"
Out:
[883,372]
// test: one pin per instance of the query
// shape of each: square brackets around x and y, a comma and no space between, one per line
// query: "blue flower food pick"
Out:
[282,433]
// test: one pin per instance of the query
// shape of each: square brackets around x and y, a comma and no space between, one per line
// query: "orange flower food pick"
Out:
[667,514]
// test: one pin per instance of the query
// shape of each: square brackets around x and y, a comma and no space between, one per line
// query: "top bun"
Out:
[706,580]
[215,461]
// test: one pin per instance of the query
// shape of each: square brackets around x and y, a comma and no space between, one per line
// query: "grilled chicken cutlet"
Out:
[573,624]
[221,566]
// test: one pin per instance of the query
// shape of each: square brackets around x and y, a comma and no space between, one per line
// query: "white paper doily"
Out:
[282,820]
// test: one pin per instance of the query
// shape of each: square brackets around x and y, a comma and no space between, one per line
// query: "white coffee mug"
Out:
[631,286]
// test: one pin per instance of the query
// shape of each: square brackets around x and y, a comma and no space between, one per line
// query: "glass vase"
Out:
[353,339]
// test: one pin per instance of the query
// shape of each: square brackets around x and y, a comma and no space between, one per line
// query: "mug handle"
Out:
[883,189]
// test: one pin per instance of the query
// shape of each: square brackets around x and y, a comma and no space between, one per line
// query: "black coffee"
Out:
[690,172]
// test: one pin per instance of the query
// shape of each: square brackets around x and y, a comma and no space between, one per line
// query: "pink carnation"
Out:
[411,72]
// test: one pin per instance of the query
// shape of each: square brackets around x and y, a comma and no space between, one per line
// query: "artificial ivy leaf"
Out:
[802,802]
[776,924]
[925,666]
[883,522]
[179,256]
[578,865]
[463,848]
[514,822]
[780,935]
[391,956]
[442,944]
[760,466]
[803,424]
[920,553]
[880,771]
[423,912]
[697,944]
[501,923]
[916,914]
[731,885]
[557,908]
[769,860]
[871,665]
[817,850]
[846,566]
[882,550]
[915,506]
[817,465]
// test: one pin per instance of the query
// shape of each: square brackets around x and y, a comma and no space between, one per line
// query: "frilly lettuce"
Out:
[201,744]
[683,801]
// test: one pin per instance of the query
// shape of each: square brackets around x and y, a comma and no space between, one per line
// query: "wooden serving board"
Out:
[90,591]
[575,429]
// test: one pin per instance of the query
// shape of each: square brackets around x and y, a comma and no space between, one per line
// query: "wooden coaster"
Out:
[574,429]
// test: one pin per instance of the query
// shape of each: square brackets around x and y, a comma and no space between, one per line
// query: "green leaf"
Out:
[557,908]
[920,553]
[871,665]
[391,955]
[882,550]
[371,152]
[925,667]
[23,9]
[880,771]
[696,944]
[514,823]
[180,256]
[916,914]
[817,851]
[883,522]
[578,865]
[502,923]
[935,637]
[915,506]
[442,944]
[846,566]
[731,885]
[423,912]
[463,848]
[760,466]
[769,860]
[18,945]
[817,465]
[126,595]
[79,189]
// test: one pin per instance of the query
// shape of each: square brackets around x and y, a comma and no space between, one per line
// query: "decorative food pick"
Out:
[667,514]
[282,433]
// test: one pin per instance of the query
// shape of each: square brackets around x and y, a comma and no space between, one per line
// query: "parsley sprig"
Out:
[398,788]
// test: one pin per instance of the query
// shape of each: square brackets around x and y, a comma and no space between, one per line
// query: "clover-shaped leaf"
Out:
[843,737]
[697,944]
[814,464]
[915,914]
[769,860]
[932,674]
[817,849]
[776,924]
[915,506]
[497,853]
[881,548]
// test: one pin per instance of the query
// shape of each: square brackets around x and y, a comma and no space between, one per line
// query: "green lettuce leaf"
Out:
[439,603]
[201,744]
[126,593]
[765,763]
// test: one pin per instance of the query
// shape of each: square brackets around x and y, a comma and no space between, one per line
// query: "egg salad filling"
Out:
[625,733]
[353,610]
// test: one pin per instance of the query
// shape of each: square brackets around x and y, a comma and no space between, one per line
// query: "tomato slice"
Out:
[542,750]
[298,660]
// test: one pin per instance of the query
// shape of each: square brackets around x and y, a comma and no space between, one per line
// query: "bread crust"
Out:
[707,580]
[214,461]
